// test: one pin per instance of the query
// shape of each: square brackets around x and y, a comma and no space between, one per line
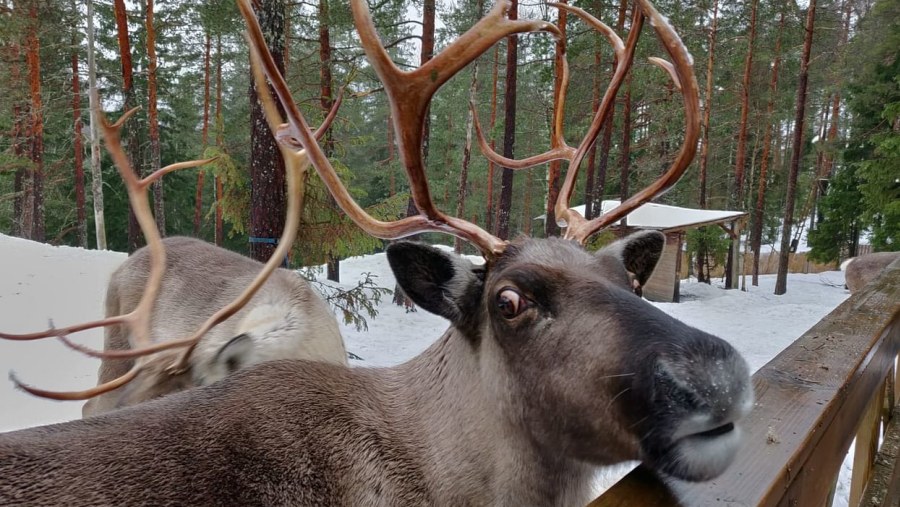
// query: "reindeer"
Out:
[860,271]
[551,366]
[286,319]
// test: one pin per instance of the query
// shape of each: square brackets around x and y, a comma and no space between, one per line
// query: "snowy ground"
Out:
[39,282]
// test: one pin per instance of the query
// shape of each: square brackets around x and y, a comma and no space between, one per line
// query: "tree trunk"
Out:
[19,140]
[467,154]
[219,229]
[96,173]
[625,155]
[267,192]
[812,201]
[594,181]
[741,156]
[426,54]
[428,13]
[509,127]
[740,161]
[201,174]
[33,56]
[756,232]
[448,163]
[153,119]
[828,163]
[526,205]
[390,158]
[489,214]
[78,146]
[326,100]
[606,140]
[135,238]
[707,103]
[551,228]
[797,148]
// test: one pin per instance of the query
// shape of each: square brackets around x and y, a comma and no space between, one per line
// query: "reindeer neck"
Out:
[454,402]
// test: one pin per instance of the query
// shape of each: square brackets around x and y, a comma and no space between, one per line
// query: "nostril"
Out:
[674,388]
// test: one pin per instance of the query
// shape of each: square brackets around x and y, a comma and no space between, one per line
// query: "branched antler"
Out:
[296,164]
[682,75]
[138,320]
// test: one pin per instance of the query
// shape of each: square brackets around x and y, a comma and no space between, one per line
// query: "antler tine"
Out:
[624,57]
[77,395]
[682,74]
[283,130]
[50,332]
[563,152]
[559,150]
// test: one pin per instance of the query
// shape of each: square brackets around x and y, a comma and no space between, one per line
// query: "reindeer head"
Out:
[585,365]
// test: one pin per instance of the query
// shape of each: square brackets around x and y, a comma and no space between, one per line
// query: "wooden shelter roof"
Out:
[667,218]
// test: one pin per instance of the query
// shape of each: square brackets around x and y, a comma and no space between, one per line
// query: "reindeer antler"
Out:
[682,75]
[296,164]
[138,320]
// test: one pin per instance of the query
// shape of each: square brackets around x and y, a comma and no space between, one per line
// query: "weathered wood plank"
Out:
[662,284]
[811,399]
[866,448]
[884,489]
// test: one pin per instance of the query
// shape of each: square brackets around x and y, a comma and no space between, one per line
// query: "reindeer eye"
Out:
[511,303]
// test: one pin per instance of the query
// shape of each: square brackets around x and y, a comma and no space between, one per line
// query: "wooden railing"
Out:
[836,382]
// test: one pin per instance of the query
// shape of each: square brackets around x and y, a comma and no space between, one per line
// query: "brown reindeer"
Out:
[860,271]
[551,365]
[286,319]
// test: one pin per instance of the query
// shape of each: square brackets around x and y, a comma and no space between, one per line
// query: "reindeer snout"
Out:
[716,386]
[700,390]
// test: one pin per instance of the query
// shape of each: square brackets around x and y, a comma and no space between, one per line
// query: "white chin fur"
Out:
[703,458]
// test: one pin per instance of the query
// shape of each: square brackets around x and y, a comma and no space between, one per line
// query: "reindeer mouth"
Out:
[699,455]
[715,432]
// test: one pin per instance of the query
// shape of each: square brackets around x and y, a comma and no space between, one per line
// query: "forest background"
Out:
[800,103]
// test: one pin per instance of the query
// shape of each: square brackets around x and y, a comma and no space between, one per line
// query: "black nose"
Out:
[673,388]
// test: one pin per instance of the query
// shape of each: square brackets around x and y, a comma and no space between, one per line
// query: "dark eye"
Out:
[511,303]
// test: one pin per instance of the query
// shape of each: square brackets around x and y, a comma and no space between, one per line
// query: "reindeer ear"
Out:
[639,252]
[231,357]
[439,282]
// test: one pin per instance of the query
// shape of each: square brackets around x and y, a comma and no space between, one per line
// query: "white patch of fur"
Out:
[276,331]
[703,458]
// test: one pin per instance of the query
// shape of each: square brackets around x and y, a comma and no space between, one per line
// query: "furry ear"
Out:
[439,282]
[231,357]
[639,252]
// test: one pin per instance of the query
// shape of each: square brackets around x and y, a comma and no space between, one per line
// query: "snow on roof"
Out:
[665,217]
